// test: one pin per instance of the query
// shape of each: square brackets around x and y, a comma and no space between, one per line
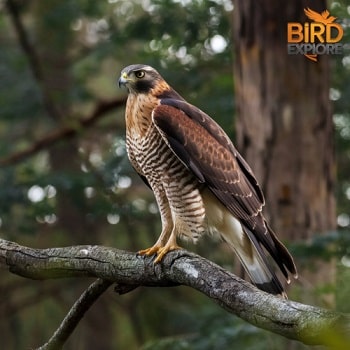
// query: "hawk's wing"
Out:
[201,144]
[204,148]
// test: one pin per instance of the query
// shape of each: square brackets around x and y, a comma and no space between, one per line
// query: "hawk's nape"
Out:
[200,181]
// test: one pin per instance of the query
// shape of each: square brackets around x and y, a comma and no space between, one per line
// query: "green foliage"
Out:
[215,329]
[334,244]
[84,190]
[340,95]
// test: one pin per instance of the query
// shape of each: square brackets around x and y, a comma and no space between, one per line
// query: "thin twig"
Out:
[32,56]
[36,68]
[75,314]
[51,138]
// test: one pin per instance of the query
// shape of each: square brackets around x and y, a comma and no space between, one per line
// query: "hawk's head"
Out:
[139,78]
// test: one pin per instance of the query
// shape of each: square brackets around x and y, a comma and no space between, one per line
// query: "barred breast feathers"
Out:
[139,114]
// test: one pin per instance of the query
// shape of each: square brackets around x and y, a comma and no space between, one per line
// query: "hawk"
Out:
[200,181]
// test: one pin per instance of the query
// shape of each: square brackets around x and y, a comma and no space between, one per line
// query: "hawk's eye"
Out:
[139,74]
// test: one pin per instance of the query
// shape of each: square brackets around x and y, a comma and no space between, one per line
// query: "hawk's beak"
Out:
[123,79]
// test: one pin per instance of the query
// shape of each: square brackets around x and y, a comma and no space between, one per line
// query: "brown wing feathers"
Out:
[209,160]
[204,148]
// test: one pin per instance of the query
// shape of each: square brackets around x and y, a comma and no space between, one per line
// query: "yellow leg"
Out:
[161,247]
[161,242]
[170,245]
[167,239]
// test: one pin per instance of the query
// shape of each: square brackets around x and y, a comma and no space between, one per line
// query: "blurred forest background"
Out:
[65,178]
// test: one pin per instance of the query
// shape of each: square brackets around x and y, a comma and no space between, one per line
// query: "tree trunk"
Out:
[284,122]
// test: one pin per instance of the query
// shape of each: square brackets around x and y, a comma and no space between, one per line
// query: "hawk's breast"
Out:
[167,175]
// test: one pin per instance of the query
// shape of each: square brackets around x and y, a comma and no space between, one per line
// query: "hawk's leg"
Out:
[160,248]
[167,239]
[170,245]
[161,242]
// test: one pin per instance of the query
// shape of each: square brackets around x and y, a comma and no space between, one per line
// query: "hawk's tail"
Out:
[259,271]
[254,257]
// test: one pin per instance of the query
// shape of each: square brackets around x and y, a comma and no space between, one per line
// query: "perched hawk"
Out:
[200,181]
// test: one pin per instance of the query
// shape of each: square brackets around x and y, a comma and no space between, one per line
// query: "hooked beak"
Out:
[123,80]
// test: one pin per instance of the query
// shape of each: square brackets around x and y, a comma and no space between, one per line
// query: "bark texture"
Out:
[284,122]
[297,321]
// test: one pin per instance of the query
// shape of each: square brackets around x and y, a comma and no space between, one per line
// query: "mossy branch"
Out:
[305,323]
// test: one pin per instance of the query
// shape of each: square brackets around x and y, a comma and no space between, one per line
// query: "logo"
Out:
[320,36]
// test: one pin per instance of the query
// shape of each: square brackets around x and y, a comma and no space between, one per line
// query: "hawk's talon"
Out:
[163,251]
[150,251]
[159,251]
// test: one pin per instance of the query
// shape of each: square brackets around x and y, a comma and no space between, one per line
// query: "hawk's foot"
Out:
[167,248]
[150,251]
[159,250]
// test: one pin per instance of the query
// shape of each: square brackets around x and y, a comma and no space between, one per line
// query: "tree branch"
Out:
[32,56]
[308,324]
[75,314]
[49,103]
[66,132]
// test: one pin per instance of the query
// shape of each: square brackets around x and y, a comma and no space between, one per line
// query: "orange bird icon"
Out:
[323,17]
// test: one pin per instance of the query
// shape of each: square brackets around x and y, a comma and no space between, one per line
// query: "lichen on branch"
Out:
[305,323]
